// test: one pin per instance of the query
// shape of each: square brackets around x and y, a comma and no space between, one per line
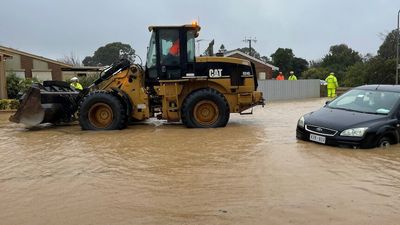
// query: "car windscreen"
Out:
[366,101]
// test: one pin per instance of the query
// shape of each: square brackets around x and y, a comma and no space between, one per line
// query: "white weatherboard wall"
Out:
[274,90]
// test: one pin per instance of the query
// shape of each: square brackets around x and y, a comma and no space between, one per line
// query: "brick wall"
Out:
[55,71]
[27,64]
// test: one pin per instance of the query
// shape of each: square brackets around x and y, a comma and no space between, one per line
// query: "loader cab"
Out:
[171,52]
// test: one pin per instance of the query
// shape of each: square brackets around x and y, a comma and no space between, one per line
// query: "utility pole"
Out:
[397,48]
[250,39]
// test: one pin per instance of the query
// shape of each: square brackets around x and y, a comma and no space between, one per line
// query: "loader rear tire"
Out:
[205,108]
[101,110]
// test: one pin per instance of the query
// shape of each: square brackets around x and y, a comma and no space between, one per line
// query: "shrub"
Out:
[7,104]
[16,85]
[87,81]
[3,104]
[14,104]
[13,85]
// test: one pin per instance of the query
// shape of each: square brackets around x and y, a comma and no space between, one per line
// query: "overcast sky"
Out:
[55,28]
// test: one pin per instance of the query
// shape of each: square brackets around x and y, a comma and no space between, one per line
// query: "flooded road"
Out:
[254,171]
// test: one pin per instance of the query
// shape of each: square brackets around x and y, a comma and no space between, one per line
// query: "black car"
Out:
[364,117]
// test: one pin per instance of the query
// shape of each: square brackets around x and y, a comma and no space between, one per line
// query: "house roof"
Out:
[230,53]
[83,69]
[5,55]
[18,52]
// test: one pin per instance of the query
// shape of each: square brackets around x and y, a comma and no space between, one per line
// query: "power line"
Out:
[250,40]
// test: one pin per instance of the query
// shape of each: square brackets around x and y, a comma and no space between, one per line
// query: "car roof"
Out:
[380,87]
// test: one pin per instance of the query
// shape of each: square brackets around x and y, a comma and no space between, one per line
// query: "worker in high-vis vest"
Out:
[280,76]
[75,83]
[292,76]
[332,84]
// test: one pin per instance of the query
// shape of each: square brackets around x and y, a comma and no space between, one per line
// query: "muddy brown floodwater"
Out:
[254,171]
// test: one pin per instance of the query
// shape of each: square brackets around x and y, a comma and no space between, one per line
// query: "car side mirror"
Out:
[327,102]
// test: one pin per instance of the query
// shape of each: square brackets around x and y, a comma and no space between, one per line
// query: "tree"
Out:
[381,71]
[339,58]
[356,75]
[266,59]
[285,59]
[341,55]
[388,48]
[253,52]
[72,59]
[376,70]
[315,63]
[315,73]
[352,69]
[109,53]
[299,65]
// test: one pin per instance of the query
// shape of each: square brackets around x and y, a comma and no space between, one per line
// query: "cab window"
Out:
[169,47]
[190,46]
[151,53]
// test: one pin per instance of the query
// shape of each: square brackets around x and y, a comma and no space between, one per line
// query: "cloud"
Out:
[56,28]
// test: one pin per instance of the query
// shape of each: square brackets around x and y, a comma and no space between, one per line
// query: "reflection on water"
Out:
[254,171]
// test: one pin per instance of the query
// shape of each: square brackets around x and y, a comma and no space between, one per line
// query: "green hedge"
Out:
[8,104]
[16,85]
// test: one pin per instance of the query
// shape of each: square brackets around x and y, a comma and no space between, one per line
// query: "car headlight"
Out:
[354,132]
[300,123]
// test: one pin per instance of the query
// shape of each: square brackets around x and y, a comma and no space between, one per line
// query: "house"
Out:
[263,69]
[27,65]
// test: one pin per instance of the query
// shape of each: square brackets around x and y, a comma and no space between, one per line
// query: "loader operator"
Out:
[75,83]
[172,56]
[174,50]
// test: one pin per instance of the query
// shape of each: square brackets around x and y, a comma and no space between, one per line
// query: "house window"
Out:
[261,76]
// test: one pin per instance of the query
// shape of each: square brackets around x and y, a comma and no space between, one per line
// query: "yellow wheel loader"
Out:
[174,85]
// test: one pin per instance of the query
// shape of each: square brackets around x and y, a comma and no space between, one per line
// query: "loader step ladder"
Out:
[247,113]
[173,98]
[244,100]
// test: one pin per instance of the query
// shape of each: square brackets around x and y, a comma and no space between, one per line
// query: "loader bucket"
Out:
[53,102]
[30,111]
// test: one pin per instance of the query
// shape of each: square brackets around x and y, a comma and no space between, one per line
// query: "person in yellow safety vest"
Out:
[332,84]
[75,83]
[292,76]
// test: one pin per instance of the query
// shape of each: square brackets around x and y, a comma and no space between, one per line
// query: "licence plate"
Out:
[317,138]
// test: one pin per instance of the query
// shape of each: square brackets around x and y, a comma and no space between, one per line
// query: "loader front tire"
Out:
[101,110]
[205,108]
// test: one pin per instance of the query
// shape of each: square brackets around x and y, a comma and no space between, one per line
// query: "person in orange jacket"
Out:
[280,76]
[174,50]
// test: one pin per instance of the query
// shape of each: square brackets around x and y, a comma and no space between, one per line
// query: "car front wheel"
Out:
[384,142]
